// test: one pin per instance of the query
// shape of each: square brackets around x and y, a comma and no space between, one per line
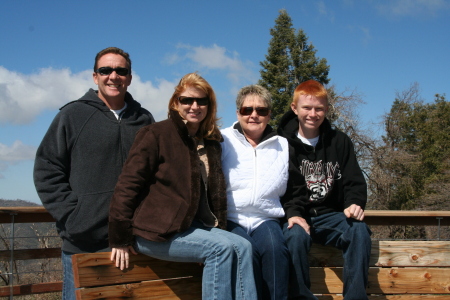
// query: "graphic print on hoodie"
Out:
[319,178]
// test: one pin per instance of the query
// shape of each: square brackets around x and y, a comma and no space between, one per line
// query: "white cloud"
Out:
[153,98]
[366,35]
[325,11]
[17,152]
[413,7]
[218,58]
[23,97]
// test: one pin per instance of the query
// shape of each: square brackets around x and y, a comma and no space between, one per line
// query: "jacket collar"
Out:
[288,128]
[181,127]
[91,98]
[267,133]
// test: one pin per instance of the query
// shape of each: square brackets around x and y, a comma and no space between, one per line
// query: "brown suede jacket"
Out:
[158,191]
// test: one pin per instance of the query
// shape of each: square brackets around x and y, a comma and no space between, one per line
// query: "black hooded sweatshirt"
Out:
[77,165]
[322,179]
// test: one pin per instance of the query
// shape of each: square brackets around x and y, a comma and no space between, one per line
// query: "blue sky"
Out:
[374,47]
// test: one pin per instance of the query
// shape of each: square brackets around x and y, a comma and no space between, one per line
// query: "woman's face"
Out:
[193,113]
[253,125]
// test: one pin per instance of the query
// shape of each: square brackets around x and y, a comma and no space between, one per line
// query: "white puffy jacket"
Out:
[256,177]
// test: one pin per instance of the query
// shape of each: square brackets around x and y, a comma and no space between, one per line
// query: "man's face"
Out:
[112,87]
[311,112]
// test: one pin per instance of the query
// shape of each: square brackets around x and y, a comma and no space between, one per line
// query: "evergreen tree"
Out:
[410,166]
[413,161]
[290,60]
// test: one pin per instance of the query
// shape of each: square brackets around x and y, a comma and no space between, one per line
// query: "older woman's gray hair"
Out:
[257,90]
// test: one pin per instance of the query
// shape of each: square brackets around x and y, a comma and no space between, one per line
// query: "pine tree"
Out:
[290,61]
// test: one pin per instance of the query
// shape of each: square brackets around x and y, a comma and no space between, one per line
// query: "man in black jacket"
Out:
[81,156]
[326,195]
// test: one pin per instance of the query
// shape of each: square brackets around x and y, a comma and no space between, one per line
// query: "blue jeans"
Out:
[270,259]
[227,257]
[68,292]
[333,229]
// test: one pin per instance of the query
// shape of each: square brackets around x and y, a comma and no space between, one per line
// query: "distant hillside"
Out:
[4,203]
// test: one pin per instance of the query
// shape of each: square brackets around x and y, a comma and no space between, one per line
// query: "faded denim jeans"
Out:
[228,270]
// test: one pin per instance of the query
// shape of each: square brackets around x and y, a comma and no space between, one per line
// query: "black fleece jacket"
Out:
[325,178]
[77,165]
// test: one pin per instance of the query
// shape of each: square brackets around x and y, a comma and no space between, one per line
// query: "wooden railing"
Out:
[20,215]
[15,215]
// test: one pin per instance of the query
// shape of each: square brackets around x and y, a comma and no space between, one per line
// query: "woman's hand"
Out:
[122,256]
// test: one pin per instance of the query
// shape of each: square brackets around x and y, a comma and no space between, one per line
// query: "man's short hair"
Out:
[114,50]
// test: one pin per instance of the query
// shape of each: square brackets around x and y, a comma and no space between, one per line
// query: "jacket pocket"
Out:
[162,216]
[89,221]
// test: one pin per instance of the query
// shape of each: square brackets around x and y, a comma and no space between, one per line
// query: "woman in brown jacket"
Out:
[170,199]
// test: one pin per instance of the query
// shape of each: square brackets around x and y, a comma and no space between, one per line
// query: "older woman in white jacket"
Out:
[255,163]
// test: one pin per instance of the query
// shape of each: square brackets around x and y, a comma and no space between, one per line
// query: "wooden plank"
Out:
[407,217]
[23,209]
[386,281]
[29,289]
[407,213]
[389,254]
[190,288]
[36,214]
[389,297]
[32,214]
[25,254]
[185,289]
[412,253]
[410,280]
[96,270]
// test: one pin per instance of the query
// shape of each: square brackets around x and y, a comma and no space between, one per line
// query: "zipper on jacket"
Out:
[255,183]
[119,120]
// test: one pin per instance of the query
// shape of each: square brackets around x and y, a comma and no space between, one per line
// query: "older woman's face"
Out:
[253,125]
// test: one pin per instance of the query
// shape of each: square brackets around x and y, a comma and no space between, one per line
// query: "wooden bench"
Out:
[399,270]
[394,265]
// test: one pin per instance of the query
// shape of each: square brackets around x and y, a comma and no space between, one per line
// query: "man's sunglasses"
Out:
[248,110]
[190,100]
[109,70]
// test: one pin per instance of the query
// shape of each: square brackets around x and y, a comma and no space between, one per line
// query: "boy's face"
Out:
[311,112]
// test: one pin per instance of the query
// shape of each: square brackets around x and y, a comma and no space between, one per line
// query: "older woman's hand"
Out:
[122,256]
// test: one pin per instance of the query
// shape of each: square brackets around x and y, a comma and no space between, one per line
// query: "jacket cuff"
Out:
[120,234]
[295,212]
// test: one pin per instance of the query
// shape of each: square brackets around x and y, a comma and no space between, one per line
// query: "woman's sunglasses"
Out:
[108,70]
[190,100]
[248,110]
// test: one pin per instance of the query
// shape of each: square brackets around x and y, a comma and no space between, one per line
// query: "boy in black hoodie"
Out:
[326,196]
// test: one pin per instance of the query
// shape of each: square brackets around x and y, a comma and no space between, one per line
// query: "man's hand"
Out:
[299,221]
[122,256]
[354,211]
